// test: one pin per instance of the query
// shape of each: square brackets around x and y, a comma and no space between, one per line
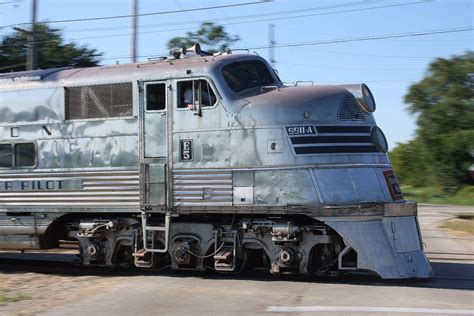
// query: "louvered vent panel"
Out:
[349,109]
[99,101]
[194,187]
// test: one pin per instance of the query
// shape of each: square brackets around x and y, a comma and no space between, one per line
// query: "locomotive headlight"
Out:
[363,95]
[367,101]
[378,138]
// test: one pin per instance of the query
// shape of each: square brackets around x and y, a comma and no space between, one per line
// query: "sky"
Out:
[338,37]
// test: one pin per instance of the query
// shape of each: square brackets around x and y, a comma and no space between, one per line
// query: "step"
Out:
[224,254]
[139,253]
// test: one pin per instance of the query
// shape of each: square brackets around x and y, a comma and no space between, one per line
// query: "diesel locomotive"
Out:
[200,161]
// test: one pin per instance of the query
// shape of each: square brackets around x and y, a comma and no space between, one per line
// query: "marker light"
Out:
[378,138]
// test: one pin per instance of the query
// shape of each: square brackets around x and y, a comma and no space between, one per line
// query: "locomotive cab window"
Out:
[17,155]
[247,74]
[194,92]
[155,96]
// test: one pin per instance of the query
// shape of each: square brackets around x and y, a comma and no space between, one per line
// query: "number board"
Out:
[186,149]
[301,130]
[392,184]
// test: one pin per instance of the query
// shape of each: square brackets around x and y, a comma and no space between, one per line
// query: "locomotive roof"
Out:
[159,69]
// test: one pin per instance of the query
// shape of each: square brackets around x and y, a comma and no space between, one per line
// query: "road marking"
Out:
[367,309]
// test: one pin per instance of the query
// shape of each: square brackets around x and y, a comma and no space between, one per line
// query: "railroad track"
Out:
[67,263]
[450,256]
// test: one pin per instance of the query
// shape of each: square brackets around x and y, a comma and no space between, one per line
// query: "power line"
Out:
[349,68]
[124,34]
[284,12]
[146,14]
[365,81]
[254,21]
[336,41]
[367,55]
[240,17]
[10,2]
[332,12]
[368,38]
[379,37]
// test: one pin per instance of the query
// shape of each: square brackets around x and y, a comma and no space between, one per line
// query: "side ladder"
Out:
[151,230]
[144,256]
[225,257]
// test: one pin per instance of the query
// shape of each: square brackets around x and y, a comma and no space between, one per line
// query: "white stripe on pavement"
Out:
[367,309]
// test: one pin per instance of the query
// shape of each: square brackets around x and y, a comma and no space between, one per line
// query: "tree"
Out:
[445,97]
[444,104]
[209,34]
[52,51]
[413,164]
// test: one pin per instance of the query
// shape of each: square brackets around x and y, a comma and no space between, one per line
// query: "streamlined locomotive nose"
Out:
[303,105]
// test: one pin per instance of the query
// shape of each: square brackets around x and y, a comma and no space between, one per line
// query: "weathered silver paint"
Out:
[40,105]
[390,247]
[16,241]
[244,162]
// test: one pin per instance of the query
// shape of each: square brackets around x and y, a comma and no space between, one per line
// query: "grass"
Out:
[7,297]
[460,225]
[464,196]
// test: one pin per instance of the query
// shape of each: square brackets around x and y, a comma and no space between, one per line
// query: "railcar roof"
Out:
[29,75]
[166,68]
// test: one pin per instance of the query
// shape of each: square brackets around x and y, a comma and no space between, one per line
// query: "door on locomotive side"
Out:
[195,111]
[200,140]
[154,105]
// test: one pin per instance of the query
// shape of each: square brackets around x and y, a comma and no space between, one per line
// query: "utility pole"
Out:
[271,35]
[134,30]
[31,46]
[32,58]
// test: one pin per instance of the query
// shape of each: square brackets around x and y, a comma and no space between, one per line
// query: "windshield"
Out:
[247,74]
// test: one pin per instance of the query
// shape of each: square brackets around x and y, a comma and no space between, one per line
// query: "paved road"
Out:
[441,244]
[449,293]
[176,293]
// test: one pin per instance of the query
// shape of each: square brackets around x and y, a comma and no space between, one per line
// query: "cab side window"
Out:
[156,97]
[17,155]
[6,156]
[25,155]
[192,92]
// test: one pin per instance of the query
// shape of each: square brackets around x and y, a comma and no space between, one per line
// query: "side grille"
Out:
[349,110]
[202,187]
[99,101]
[335,140]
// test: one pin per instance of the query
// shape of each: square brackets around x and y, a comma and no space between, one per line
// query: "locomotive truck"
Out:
[249,173]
